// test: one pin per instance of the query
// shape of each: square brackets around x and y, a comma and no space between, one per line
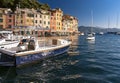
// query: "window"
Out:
[0,15]
[1,26]
[35,21]
[40,21]
[52,14]
[44,22]
[10,20]
[21,21]
[40,16]
[10,15]
[9,26]
[47,27]
[1,20]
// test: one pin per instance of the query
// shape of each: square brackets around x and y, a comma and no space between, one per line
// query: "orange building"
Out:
[7,18]
[56,20]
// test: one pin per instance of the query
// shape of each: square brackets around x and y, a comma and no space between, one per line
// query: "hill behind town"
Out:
[23,4]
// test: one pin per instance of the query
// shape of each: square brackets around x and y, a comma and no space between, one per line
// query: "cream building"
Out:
[42,19]
[70,24]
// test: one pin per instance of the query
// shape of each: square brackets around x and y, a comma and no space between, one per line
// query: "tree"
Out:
[23,4]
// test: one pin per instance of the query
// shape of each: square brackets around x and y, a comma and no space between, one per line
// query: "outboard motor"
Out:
[31,45]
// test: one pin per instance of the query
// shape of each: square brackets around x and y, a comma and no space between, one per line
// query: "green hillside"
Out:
[23,4]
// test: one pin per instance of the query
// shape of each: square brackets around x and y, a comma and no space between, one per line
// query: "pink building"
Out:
[10,20]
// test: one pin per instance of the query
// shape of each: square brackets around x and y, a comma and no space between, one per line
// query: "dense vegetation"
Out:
[23,4]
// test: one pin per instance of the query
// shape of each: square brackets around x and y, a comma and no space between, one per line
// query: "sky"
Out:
[106,13]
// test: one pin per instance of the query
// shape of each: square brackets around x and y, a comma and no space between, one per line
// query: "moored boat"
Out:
[90,37]
[31,50]
[7,39]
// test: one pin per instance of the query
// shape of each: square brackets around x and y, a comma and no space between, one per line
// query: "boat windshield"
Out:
[25,40]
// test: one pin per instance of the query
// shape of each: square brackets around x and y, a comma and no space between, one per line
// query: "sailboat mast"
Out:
[108,22]
[91,21]
[117,21]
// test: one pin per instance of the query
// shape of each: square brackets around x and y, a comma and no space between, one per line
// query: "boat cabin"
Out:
[27,44]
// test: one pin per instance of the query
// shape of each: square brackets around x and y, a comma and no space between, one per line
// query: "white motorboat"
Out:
[31,50]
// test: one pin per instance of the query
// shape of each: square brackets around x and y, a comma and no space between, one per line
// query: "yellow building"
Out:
[59,15]
[24,17]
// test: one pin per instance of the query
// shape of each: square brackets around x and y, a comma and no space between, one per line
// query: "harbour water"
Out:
[95,62]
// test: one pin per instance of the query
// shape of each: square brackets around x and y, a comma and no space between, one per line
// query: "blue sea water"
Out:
[95,62]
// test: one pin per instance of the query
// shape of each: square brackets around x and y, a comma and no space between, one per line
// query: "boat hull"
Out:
[30,58]
[90,38]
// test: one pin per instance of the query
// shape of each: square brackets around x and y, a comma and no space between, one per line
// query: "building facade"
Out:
[56,20]
[7,18]
[24,17]
[3,11]
[10,20]
[70,24]
[52,21]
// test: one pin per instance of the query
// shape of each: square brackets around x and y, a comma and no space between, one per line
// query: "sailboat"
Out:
[91,35]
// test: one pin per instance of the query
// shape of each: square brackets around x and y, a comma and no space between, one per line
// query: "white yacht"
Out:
[31,50]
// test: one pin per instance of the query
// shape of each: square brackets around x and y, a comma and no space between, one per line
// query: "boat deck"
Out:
[7,42]
[18,49]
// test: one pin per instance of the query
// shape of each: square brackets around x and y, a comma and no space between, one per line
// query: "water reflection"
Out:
[73,51]
[91,41]
[7,74]
[48,70]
